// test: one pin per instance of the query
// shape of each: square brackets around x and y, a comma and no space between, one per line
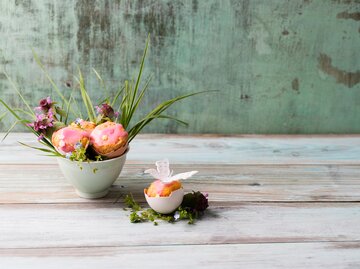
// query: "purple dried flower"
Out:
[40,137]
[38,110]
[50,113]
[42,122]
[45,104]
[196,201]
[106,110]
[78,145]
[202,203]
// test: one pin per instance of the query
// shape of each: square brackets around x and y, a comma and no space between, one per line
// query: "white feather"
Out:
[181,176]
[152,172]
[163,169]
[163,172]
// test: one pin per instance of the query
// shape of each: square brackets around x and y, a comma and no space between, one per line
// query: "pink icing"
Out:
[108,136]
[69,137]
[159,186]
[84,124]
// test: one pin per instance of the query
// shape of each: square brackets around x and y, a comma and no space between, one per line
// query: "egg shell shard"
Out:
[166,205]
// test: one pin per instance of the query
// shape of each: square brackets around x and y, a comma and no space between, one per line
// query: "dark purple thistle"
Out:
[44,104]
[106,110]
[195,201]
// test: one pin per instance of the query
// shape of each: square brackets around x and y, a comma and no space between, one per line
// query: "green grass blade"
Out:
[165,105]
[156,113]
[141,95]
[142,123]
[21,96]
[173,118]
[18,117]
[123,105]
[76,104]
[56,88]
[3,115]
[10,110]
[86,99]
[135,91]
[47,143]
[10,129]
[68,109]
[52,155]
[25,112]
[102,83]
[42,149]
[36,57]
[116,97]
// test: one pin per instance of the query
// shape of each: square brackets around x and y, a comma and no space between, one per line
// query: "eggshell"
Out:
[166,205]
[116,153]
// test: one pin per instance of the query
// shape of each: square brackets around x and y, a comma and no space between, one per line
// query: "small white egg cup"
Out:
[168,204]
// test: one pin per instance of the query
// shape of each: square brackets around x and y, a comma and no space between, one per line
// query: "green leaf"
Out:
[60,111]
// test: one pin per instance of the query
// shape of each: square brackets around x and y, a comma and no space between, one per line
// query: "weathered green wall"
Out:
[280,66]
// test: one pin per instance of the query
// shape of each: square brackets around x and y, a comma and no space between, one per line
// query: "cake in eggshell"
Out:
[109,139]
[162,189]
[65,139]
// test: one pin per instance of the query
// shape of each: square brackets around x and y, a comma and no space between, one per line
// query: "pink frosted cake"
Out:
[88,126]
[66,139]
[109,139]
[161,189]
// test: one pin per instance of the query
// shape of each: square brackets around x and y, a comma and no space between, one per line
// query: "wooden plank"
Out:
[226,184]
[94,225]
[333,255]
[279,149]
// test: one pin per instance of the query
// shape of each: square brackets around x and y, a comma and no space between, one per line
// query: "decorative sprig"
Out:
[192,208]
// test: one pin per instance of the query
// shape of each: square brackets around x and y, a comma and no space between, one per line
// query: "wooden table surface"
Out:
[275,202]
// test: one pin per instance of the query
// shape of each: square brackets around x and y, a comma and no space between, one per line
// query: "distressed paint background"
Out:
[280,66]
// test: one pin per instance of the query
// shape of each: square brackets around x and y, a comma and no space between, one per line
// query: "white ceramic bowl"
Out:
[166,205]
[92,180]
